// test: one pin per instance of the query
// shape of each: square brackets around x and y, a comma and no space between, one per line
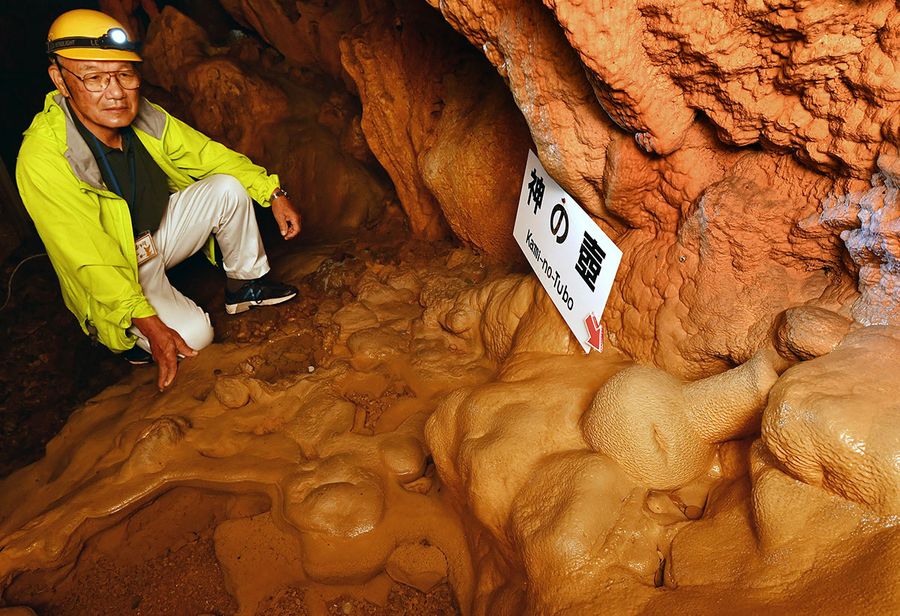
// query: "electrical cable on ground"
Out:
[11,276]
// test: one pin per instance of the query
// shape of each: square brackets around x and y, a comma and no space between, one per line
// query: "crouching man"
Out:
[120,191]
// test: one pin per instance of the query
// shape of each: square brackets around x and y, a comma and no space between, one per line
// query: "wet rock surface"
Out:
[347,491]
[422,401]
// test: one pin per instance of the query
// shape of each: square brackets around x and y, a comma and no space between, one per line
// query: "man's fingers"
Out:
[182,347]
[282,224]
[165,344]
[293,221]
[287,217]
[168,366]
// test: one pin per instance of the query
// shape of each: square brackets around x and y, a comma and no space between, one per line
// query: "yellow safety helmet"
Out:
[84,34]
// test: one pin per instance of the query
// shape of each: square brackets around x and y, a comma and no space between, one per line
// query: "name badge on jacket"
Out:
[145,248]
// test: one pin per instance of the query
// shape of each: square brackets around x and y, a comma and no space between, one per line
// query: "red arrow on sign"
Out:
[595,332]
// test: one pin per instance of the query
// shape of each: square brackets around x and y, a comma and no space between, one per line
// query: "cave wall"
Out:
[434,113]
[717,239]
[298,123]
[742,155]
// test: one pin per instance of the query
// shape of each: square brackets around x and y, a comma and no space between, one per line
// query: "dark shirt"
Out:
[146,188]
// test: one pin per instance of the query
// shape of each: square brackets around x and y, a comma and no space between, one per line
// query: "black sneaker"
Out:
[136,356]
[259,292]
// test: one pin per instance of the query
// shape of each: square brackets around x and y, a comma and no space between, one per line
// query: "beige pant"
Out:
[217,205]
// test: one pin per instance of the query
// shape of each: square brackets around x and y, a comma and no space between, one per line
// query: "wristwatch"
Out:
[279,192]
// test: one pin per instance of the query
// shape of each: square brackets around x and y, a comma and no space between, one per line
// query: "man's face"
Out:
[104,112]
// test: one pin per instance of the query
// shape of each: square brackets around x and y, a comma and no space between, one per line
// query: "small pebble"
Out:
[311,369]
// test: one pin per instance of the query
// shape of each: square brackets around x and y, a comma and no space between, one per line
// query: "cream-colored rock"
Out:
[663,431]
[346,499]
[806,332]
[570,543]
[639,418]
[404,457]
[484,373]
[812,552]
[834,422]
[421,566]
[232,392]
[340,508]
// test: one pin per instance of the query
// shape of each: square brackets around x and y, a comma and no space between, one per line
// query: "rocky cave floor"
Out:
[48,369]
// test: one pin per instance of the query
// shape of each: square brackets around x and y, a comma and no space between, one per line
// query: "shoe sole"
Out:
[245,306]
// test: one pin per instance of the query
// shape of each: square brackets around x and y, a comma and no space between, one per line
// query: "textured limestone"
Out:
[743,156]
[570,130]
[758,534]
[806,332]
[812,435]
[815,79]
[869,223]
[545,495]
[346,497]
[442,124]
[708,266]
[232,392]
[812,550]
[417,565]
[639,96]
[708,229]
[662,432]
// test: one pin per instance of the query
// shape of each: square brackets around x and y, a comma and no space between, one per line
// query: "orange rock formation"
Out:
[733,449]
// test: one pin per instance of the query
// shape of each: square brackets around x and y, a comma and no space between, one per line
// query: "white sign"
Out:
[572,257]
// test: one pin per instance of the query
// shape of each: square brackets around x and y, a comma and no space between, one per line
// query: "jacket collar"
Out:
[78,152]
[149,120]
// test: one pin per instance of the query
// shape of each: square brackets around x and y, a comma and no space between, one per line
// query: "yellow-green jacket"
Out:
[86,228]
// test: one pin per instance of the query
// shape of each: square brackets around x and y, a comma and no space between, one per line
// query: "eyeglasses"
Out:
[98,82]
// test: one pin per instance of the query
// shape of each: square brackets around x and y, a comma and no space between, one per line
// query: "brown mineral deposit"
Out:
[466,147]
[417,565]
[842,438]
[662,432]
[420,426]
[488,433]
[270,117]
[806,332]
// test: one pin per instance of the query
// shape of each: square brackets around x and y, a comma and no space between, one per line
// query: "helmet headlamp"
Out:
[115,38]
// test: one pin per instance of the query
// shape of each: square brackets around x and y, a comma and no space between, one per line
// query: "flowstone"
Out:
[421,419]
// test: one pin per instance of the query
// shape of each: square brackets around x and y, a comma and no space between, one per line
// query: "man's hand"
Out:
[287,217]
[165,344]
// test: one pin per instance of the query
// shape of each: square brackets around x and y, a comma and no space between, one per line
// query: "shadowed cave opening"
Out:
[419,432]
